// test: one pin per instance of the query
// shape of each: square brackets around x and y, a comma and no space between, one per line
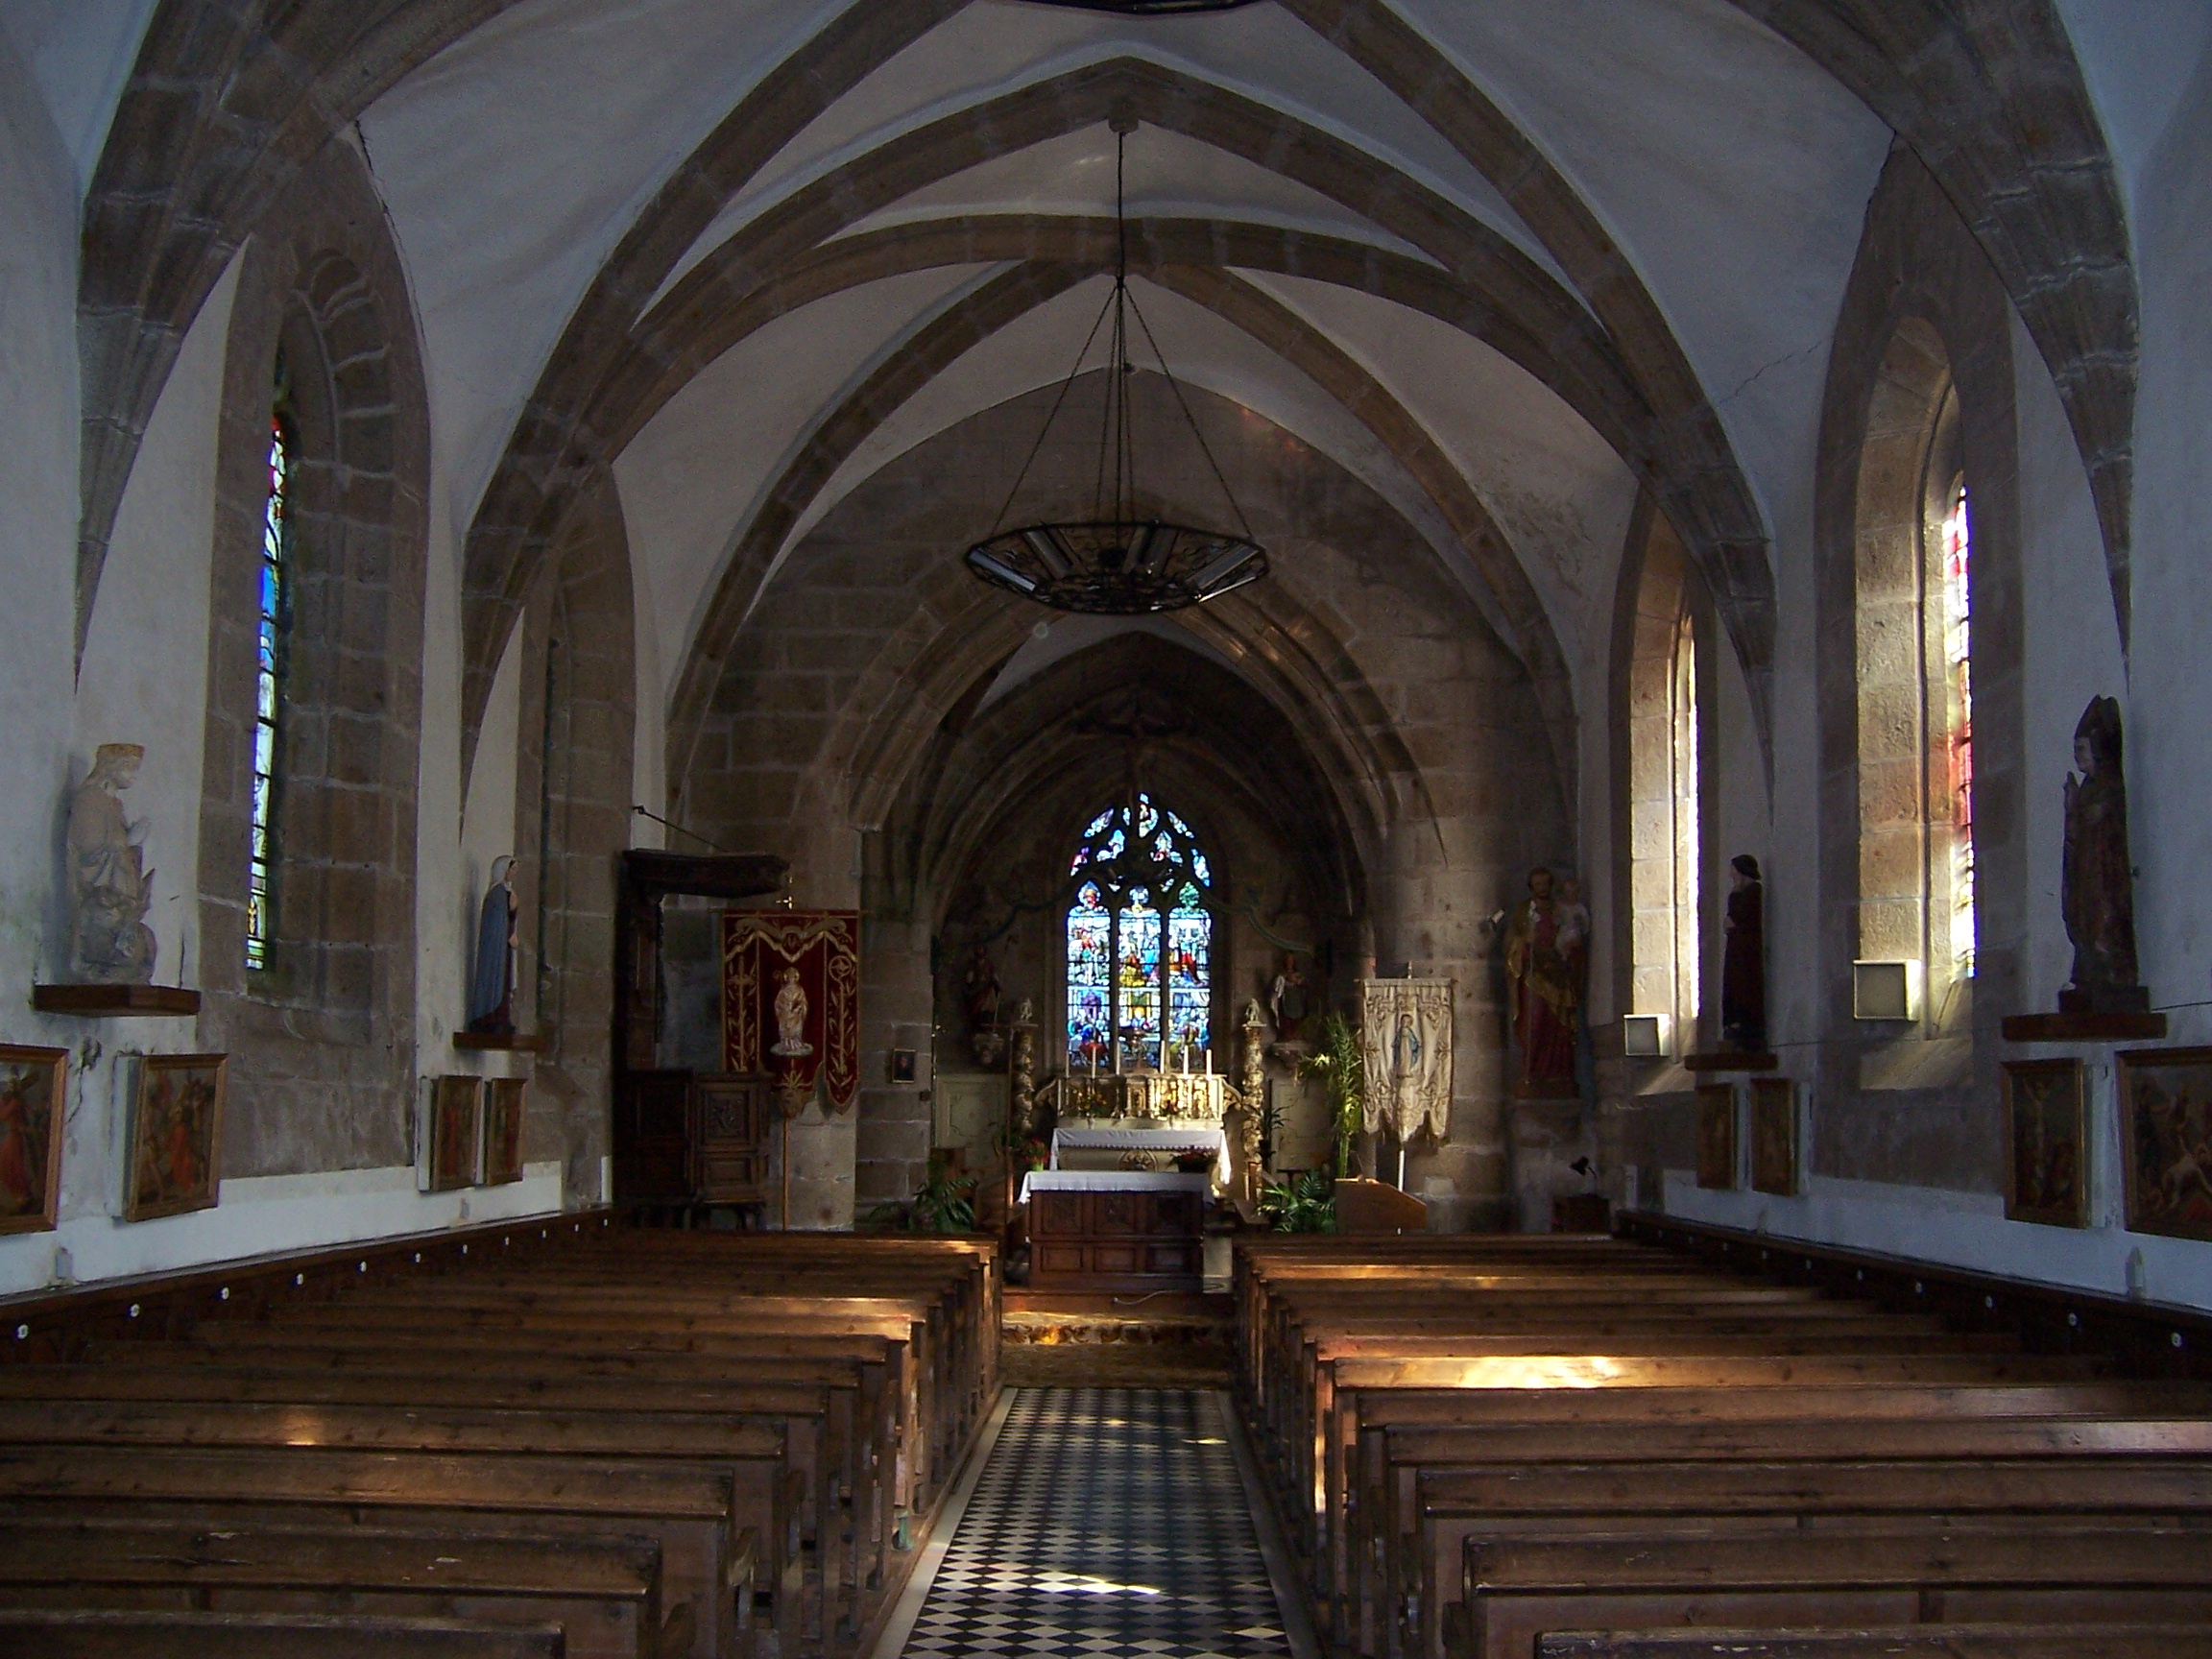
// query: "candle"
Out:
[1209,1059]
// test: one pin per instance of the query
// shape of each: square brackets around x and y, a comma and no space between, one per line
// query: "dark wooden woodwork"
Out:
[115,1002]
[691,1138]
[502,1041]
[1729,1060]
[2085,1027]
[1106,1240]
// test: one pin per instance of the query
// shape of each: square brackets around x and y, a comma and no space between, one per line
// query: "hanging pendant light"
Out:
[1115,562]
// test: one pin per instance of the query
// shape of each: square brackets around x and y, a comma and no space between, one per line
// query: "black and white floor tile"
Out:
[1108,1523]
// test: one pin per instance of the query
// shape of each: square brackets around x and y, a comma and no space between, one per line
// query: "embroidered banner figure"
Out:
[791,998]
[1406,1035]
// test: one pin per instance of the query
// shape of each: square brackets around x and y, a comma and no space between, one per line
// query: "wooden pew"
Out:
[685,1512]
[1889,1575]
[604,1593]
[1896,1642]
[168,1633]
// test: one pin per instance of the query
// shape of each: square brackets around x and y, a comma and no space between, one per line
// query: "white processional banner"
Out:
[1406,1036]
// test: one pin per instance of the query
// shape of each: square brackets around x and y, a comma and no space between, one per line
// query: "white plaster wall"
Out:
[1968,1228]
[2170,735]
[2071,651]
[144,676]
[2138,59]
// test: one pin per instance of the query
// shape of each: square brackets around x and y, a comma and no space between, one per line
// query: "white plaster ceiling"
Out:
[79,57]
[1731,168]
[513,161]
[1167,174]
[994,47]
[691,479]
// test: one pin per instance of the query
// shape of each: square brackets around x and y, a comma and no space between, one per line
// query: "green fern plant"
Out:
[1306,1202]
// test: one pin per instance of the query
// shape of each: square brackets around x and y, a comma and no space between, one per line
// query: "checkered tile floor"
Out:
[1108,1523]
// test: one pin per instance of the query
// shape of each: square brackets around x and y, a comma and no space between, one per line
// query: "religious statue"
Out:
[1545,996]
[1575,937]
[2098,883]
[1743,959]
[1286,999]
[492,991]
[109,887]
[790,1008]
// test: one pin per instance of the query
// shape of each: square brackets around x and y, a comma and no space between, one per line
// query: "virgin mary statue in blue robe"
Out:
[492,991]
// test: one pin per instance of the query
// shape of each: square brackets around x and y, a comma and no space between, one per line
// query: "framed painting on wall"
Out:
[176,1136]
[1774,1136]
[454,1134]
[33,1101]
[2166,1140]
[1717,1136]
[2046,1141]
[503,1131]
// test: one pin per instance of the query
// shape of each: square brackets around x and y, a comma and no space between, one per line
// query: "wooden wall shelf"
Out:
[1729,1060]
[500,1042]
[115,1002]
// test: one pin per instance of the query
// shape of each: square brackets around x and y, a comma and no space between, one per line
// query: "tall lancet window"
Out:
[268,690]
[1140,941]
[1956,553]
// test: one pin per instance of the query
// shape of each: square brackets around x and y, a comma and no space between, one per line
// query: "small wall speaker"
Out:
[1886,990]
[1643,1036]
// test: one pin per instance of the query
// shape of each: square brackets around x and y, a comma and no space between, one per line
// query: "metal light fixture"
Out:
[1115,562]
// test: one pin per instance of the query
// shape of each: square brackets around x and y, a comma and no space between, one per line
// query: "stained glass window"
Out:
[1959,664]
[275,604]
[1139,942]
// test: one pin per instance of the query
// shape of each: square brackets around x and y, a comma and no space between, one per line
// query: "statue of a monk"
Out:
[2097,886]
[1743,959]
[109,887]
[1545,992]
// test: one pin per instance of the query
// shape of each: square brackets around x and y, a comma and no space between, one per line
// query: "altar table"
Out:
[1115,1230]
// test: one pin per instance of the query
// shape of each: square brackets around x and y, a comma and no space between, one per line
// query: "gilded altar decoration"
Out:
[1405,1042]
[792,999]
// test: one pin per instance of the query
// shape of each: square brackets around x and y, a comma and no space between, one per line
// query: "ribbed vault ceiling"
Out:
[1506,262]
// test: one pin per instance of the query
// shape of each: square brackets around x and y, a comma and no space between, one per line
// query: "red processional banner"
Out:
[791,998]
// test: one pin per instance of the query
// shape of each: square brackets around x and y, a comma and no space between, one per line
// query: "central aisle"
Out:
[1108,1523]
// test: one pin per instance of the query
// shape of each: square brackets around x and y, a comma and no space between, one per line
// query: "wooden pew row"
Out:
[750,1455]
[1895,1642]
[604,1593]
[844,1455]
[493,1362]
[1319,1346]
[1412,1516]
[166,1633]
[2033,1572]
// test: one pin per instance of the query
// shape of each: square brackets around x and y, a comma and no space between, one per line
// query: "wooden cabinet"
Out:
[1108,1240]
[691,1138]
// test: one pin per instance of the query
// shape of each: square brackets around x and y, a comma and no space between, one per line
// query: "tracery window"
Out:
[269,687]
[1140,941]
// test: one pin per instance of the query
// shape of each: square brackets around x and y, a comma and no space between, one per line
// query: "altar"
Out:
[1119,1207]
[1115,1229]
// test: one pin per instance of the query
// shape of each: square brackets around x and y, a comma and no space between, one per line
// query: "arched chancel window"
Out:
[1914,596]
[274,595]
[1140,940]
[1665,852]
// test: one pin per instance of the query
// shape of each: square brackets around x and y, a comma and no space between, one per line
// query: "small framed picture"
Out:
[503,1131]
[1775,1164]
[176,1136]
[2166,1140]
[2046,1175]
[902,1065]
[34,1104]
[454,1133]
[1717,1136]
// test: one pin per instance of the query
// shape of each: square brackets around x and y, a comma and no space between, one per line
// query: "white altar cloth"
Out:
[1111,1181]
[1141,1140]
